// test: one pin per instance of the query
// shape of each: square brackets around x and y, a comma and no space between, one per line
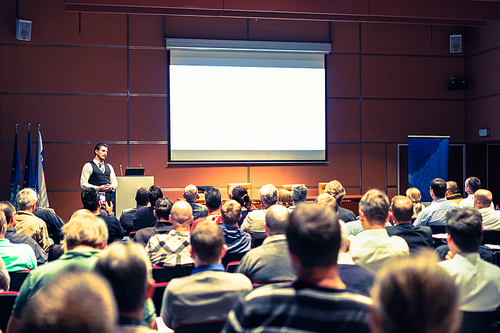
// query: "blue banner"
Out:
[15,179]
[29,168]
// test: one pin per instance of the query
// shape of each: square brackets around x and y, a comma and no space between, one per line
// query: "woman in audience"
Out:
[414,295]
[285,198]
[240,194]
[414,195]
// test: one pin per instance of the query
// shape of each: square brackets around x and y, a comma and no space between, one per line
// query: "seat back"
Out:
[438,229]
[476,322]
[321,188]
[7,299]
[208,327]
[158,296]
[232,266]
[248,186]
[165,274]
[229,257]
[17,279]
[491,237]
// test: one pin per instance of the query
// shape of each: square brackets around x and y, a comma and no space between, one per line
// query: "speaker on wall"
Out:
[23,30]
[455,43]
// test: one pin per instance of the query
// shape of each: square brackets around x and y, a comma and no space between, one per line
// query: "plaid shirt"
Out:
[170,249]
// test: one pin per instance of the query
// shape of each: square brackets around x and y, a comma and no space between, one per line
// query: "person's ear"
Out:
[191,252]
[223,251]
[150,289]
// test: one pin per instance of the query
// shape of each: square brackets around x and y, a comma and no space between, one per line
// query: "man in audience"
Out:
[453,192]
[477,280]
[52,220]
[270,261]
[435,214]
[213,200]
[318,300]
[336,190]
[17,257]
[128,215]
[90,201]
[472,184]
[144,216]
[4,277]
[172,249]
[162,225]
[191,194]
[236,239]
[10,215]
[209,292]
[401,213]
[491,217]
[85,235]
[126,267]
[254,222]
[27,223]
[372,247]
[299,195]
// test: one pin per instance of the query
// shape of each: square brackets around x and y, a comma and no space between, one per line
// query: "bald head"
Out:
[276,220]
[402,209]
[482,198]
[181,214]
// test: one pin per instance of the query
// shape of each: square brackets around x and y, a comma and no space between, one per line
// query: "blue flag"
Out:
[29,169]
[40,173]
[15,179]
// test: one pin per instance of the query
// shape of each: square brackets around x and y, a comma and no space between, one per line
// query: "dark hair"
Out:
[375,206]
[464,225]
[299,193]
[313,235]
[90,198]
[8,209]
[163,207]
[473,183]
[452,187]
[402,208]
[240,194]
[207,240]
[438,186]
[98,146]
[155,193]
[142,196]
[213,198]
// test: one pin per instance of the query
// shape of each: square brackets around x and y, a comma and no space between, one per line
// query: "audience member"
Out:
[240,194]
[435,214]
[209,292]
[52,220]
[236,240]
[401,213]
[213,200]
[128,215]
[491,217]
[15,238]
[4,276]
[16,257]
[172,249]
[191,194]
[373,246]
[91,202]
[76,301]
[84,235]
[478,281]
[318,300]
[254,222]
[453,192]
[162,225]
[472,184]
[415,196]
[414,295]
[285,198]
[144,216]
[299,194]
[336,190]
[271,261]
[27,223]
[125,265]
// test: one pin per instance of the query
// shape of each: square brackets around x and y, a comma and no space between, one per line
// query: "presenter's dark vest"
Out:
[98,178]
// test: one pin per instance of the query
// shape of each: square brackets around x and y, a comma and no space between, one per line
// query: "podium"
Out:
[126,190]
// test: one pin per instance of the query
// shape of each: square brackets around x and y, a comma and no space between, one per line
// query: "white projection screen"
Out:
[247,105]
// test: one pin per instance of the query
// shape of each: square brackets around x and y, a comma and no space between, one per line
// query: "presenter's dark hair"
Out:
[98,146]
[438,186]
[90,198]
[155,193]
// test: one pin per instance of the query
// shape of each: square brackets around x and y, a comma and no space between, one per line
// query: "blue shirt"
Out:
[211,267]
[435,214]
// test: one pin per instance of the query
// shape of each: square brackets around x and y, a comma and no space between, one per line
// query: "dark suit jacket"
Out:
[144,218]
[416,237]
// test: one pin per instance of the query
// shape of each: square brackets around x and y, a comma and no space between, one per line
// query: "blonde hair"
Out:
[414,195]
[336,190]
[84,229]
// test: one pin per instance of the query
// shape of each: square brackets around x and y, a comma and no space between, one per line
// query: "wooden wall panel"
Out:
[153,157]
[374,166]
[205,27]
[72,202]
[148,71]
[343,120]
[478,39]
[392,164]
[148,118]
[483,72]
[146,30]
[342,75]
[218,176]
[483,113]
[345,37]
[293,31]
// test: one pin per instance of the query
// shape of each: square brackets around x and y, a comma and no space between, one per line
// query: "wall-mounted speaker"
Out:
[455,43]
[23,30]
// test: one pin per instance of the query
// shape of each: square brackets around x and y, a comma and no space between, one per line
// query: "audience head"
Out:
[230,212]
[191,193]
[285,198]
[213,199]
[155,193]
[240,194]
[328,200]
[465,228]
[10,212]
[415,196]
[277,220]
[344,237]
[414,294]
[90,198]
[3,224]
[401,209]
[313,236]
[472,184]
[207,242]
[99,146]
[230,192]
[84,228]
[163,207]
[482,199]
[336,190]
[452,187]
[299,193]
[374,207]
[142,196]
[268,195]
[126,266]
[181,214]
[76,301]
[26,199]
[438,187]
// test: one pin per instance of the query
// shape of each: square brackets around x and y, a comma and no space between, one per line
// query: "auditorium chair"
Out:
[158,296]
[289,186]
[7,299]
[17,278]
[165,274]
[205,327]
[232,266]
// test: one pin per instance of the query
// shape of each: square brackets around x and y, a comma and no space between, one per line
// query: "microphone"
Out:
[121,170]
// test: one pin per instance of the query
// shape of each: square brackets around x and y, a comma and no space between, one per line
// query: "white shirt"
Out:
[87,171]
[467,202]
[491,218]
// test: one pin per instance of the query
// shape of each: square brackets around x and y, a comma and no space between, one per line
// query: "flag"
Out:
[29,169]
[15,179]
[40,173]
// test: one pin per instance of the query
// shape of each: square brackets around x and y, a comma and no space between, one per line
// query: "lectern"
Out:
[126,190]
